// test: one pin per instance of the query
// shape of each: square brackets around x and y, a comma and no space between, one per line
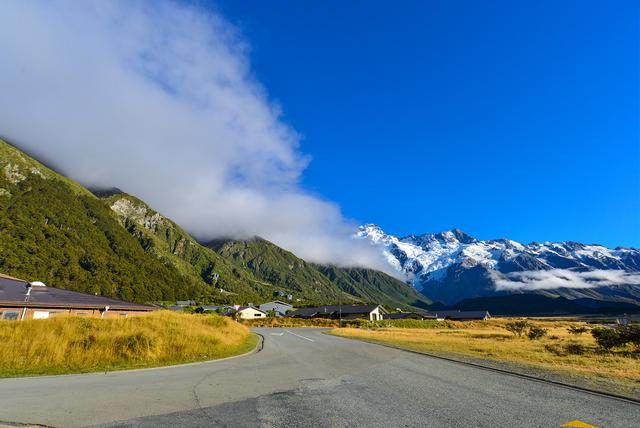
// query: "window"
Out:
[40,315]
[10,315]
[257,315]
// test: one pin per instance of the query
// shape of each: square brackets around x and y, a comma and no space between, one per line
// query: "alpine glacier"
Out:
[451,266]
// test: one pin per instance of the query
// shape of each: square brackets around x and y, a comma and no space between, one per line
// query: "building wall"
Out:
[42,313]
[251,314]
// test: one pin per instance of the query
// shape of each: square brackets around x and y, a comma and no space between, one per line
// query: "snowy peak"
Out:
[434,261]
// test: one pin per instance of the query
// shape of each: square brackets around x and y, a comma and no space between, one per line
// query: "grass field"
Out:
[77,345]
[574,358]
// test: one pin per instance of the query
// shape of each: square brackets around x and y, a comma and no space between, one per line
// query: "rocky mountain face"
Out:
[452,266]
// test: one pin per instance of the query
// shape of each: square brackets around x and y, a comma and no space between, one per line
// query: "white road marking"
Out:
[301,337]
[277,334]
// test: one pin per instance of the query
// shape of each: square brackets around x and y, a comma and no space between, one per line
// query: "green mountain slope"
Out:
[316,283]
[374,286]
[54,230]
[166,240]
[274,265]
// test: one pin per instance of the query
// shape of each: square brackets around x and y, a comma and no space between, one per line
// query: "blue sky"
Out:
[517,119]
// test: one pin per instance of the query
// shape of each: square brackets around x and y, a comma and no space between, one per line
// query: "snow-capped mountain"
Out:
[452,265]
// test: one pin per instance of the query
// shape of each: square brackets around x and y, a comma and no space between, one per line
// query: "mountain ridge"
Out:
[452,265]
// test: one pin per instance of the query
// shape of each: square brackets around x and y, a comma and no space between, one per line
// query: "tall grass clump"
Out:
[75,344]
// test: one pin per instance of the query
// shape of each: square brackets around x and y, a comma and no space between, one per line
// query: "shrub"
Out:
[630,334]
[536,333]
[607,338]
[518,328]
[574,348]
[577,330]
[555,349]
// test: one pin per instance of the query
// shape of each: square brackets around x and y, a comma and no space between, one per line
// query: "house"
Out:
[250,313]
[20,300]
[185,303]
[370,312]
[461,315]
[280,308]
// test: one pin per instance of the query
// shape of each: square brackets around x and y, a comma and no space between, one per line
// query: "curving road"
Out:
[305,378]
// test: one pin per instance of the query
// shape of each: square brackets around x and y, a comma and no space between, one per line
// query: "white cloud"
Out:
[561,278]
[158,99]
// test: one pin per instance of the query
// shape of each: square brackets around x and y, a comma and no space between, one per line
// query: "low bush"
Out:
[630,334]
[518,328]
[608,338]
[555,349]
[536,333]
[574,348]
[577,329]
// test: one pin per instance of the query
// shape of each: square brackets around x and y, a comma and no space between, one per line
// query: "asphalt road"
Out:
[305,378]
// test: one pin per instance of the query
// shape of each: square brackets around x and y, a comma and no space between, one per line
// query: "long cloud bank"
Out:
[158,99]
[561,278]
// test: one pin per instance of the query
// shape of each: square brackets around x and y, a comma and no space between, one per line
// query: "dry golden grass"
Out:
[559,351]
[74,344]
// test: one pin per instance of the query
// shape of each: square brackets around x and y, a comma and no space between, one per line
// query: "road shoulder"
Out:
[520,370]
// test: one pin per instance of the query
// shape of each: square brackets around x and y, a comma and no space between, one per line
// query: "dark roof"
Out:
[462,315]
[333,309]
[13,292]
[406,315]
[278,302]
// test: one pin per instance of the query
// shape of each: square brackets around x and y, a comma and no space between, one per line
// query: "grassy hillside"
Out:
[53,230]
[74,344]
[375,286]
[317,283]
[274,265]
